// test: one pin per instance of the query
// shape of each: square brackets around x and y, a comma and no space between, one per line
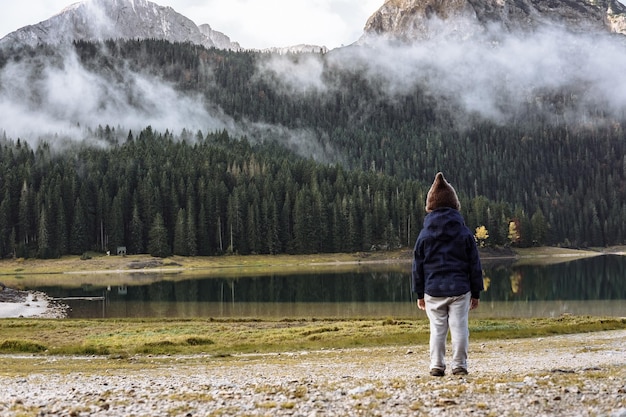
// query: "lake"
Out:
[591,286]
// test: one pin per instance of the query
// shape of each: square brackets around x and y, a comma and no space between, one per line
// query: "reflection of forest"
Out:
[346,287]
[595,278]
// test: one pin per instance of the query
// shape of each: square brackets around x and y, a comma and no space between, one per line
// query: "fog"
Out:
[490,73]
[43,99]
[65,98]
[487,73]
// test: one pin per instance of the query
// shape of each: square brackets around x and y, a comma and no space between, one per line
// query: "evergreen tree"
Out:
[135,242]
[158,241]
[13,242]
[304,229]
[252,229]
[180,234]
[78,234]
[286,226]
[61,229]
[540,227]
[116,226]
[24,219]
[43,242]
[5,228]
[271,233]
[191,230]
[204,243]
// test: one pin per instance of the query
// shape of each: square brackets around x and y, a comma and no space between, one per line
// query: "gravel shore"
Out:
[574,375]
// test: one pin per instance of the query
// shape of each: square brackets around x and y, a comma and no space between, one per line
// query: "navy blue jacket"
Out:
[445,259]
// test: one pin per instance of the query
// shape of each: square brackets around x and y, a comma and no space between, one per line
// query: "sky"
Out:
[252,23]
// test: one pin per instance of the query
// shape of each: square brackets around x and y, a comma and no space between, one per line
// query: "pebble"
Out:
[351,382]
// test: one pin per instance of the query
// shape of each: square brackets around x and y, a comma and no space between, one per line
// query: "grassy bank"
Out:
[121,338]
[206,265]
[97,263]
[550,255]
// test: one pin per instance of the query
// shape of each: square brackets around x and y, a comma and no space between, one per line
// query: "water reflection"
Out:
[593,286]
[596,278]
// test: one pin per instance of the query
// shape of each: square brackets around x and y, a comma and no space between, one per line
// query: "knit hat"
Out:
[441,194]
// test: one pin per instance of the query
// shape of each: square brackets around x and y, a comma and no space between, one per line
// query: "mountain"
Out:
[96,20]
[409,20]
[219,40]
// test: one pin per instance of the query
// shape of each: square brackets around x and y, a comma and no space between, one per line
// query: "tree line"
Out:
[212,194]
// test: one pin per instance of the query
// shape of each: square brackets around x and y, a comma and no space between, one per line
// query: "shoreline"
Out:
[15,303]
[101,264]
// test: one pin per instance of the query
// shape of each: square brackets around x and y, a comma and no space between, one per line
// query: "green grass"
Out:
[205,265]
[127,337]
[21,346]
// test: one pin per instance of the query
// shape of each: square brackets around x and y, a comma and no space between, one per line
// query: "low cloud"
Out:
[61,99]
[297,75]
[38,99]
[490,73]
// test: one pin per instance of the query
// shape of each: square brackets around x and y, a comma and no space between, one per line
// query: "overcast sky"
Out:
[252,23]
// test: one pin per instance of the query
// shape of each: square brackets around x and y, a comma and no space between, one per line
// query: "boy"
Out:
[447,276]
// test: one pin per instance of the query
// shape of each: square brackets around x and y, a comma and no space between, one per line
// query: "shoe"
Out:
[459,371]
[437,372]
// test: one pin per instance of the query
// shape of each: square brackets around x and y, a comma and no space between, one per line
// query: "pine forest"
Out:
[361,185]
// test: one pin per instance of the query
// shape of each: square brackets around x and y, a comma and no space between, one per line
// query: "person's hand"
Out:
[421,304]
[474,303]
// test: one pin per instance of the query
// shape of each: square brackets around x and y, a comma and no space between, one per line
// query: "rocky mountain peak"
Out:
[410,20]
[96,20]
[219,40]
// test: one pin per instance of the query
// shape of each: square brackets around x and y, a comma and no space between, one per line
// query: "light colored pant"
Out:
[448,313]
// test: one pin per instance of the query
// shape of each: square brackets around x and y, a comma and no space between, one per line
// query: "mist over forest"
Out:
[528,127]
[560,76]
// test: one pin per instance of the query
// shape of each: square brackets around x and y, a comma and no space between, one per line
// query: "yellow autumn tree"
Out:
[514,235]
[482,234]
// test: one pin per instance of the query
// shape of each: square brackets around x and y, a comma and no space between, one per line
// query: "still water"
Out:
[592,286]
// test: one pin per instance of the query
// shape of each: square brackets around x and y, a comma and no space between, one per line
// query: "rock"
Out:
[414,20]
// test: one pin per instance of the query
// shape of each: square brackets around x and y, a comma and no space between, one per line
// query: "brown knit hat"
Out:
[441,194]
